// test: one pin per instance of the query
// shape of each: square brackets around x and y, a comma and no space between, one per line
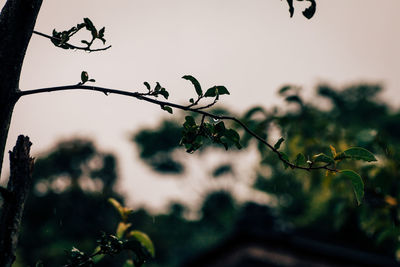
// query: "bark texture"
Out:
[17,20]
[14,197]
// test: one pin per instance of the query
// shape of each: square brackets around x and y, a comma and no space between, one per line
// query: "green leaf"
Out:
[84,77]
[222,90]
[356,153]
[189,121]
[285,157]
[300,160]
[144,240]
[234,137]
[219,128]
[211,92]
[196,84]
[357,182]
[117,206]
[278,144]
[121,229]
[216,91]
[167,108]
[323,158]
[191,100]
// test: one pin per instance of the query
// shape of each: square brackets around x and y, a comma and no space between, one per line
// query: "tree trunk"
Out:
[17,20]
[14,197]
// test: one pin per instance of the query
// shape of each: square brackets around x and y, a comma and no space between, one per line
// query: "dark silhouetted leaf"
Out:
[310,11]
[167,108]
[196,84]
[84,77]
[211,92]
[278,144]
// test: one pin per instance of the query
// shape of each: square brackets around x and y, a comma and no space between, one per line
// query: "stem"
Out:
[73,46]
[142,96]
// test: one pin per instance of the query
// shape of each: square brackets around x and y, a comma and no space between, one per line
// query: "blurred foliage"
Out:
[319,203]
[73,182]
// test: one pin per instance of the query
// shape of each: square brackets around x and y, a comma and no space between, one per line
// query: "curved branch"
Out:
[70,45]
[142,96]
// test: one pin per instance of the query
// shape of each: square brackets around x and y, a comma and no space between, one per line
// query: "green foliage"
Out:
[356,153]
[357,182]
[194,135]
[138,243]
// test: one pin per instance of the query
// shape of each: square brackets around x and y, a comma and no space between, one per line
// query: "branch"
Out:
[70,45]
[142,96]
[21,165]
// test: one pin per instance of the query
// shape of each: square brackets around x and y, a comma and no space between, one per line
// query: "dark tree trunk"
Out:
[17,20]
[14,197]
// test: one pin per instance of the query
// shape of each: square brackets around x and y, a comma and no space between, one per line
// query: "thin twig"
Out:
[71,45]
[142,96]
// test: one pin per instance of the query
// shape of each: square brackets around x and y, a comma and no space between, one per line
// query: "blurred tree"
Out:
[68,206]
[320,203]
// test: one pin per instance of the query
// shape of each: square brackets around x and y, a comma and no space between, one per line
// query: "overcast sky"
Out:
[251,47]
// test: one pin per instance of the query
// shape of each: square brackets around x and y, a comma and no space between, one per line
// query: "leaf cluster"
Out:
[61,39]
[136,243]
[194,135]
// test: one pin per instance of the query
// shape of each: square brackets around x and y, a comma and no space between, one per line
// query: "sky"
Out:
[251,47]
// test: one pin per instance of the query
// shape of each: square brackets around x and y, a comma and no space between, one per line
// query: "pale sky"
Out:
[251,47]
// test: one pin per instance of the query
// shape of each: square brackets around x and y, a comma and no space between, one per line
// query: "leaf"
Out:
[291,8]
[356,153]
[323,158]
[357,182]
[164,93]
[211,92]
[285,157]
[219,128]
[191,100]
[144,240]
[284,89]
[196,84]
[91,80]
[101,32]
[278,144]
[310,11]
[121,229]
[167,108]
[84,77]
[300,160]
[158,87]
[333,151]
[147,85]
[222,90]
[294,98]
[233,136]
[189,121]
[117,206]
